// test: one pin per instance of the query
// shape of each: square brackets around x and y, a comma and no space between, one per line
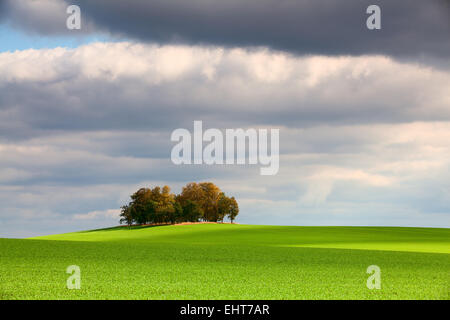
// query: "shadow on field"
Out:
[125,228]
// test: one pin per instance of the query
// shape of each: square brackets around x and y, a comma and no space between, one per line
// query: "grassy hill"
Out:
[215,261]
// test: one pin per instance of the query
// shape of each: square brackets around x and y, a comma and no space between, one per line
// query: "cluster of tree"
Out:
[197,202]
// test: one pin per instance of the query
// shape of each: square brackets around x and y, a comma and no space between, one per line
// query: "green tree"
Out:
[178,212]
[223,206]
[234,209]
[143,207]
[125,215]
[192,211]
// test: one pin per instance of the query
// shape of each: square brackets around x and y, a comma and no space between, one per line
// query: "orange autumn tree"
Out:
[196,202]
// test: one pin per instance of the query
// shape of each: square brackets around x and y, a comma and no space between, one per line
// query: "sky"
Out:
[86,115]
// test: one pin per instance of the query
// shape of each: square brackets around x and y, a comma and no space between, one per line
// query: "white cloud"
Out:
[110,214]
[98,85]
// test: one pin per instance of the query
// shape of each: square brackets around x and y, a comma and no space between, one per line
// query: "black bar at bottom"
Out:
[226,309]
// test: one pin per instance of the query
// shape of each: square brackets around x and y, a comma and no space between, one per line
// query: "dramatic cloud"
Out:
[363,140]
[43,17]
[126,86]
[410,28]
[2,11]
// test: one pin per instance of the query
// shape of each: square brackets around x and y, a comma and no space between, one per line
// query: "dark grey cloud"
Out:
[41,17]
[409,27]
[2,9]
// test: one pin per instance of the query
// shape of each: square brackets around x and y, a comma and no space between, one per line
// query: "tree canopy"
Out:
[197,202]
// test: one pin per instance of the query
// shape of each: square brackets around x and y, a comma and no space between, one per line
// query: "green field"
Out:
[223,261]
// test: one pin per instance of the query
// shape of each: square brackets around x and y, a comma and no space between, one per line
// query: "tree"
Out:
[165,210]
[197,201]
[126,216]
[227,207]
[192,192]
[178,212]
[223,206]
[211,194]
[234,209]
[143,207]
[192,211]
